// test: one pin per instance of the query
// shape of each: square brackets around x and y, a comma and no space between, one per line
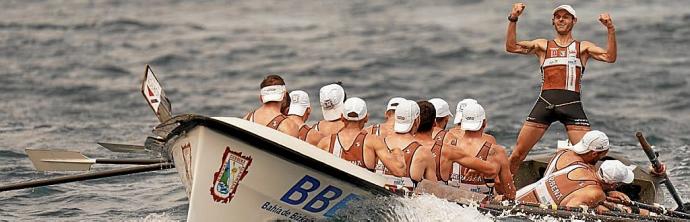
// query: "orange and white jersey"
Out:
[562,67]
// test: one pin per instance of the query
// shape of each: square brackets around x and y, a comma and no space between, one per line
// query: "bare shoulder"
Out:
[374,141]
[540,43]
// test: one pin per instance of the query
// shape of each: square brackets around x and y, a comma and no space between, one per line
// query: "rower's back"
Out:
[274,99]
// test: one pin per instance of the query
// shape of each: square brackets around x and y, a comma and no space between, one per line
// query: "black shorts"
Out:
[560,105]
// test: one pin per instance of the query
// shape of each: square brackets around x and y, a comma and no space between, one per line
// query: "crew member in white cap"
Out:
[578,184]
[474,142]
[449,158]
[331,98]
[386,128]
[563,62]
[443,115]
[299,112]
[274,99]
[420,164]
[357,146]
[457,131]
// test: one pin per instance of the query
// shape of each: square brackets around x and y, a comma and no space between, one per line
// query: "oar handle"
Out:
[657,166]
[652,208]
[649,151]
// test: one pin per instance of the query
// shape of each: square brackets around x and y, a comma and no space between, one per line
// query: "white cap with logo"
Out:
[567,8]
[458,110]
[614,171]
[354,109]
[394,103]
[299,102]
[405,115]
[441,106]
[594,140]
[473,117]
[273,93]
[331,98]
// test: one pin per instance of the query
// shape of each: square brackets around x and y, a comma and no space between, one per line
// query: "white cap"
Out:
[441,106]
[594,140]
[357,106]
[331,98]
[405,115]
[273,93]
[394,103]
[458,110]
[567,8]
[614,171]
[473,117]
[299,102]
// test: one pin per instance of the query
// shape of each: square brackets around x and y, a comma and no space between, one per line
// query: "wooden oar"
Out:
[652,208]
[657,166]
[63,160]
[123,148]
[86,176]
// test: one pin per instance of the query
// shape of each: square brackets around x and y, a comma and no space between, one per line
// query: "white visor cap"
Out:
[614,171]
[441,106]
[458,110]
[354,109]
[299,102]
[273,93]
[594,140]
[331,98]
[405,115]
[567,8]
[473,117]
[394,103]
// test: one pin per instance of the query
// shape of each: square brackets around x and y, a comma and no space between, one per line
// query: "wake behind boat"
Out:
[233,169]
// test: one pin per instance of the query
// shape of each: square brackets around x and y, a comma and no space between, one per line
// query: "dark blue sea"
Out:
[70,75]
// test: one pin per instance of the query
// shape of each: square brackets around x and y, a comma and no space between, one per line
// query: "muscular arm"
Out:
[314,137]
[459,155]
[430,172]
[289,127]
[393,160]
[507,185]
[608,55]
[590,196]
[324,144]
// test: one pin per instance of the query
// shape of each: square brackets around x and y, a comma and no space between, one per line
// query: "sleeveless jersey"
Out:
[555,187]
[274,123]
[354,154]
[459,176]
[562,67]
[406,182]
[303,132]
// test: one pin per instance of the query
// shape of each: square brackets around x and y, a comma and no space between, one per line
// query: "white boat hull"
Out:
[264,180]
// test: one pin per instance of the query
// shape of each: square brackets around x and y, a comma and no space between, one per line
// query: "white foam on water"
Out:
[155,217]
[417,208]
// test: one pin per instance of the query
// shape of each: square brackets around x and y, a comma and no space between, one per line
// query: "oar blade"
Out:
[123,148]
[59,160]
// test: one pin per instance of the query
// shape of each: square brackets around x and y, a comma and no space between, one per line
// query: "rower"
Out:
[577,185]
[274,99]
[475,143]
[563,62]
[299,112]
[448,157]
[420,164]
[353,144]
[457,131]
[443,116]
[331,98]
[386,128]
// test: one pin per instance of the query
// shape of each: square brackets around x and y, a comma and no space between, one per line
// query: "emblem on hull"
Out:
[233,169]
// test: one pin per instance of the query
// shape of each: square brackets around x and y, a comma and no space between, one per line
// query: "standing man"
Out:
[274,100]
[563,62]
[299,112]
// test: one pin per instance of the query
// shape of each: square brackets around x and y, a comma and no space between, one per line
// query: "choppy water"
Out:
[70,73]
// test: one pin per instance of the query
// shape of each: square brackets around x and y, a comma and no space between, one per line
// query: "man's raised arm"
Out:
[609,55]
[512,45]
